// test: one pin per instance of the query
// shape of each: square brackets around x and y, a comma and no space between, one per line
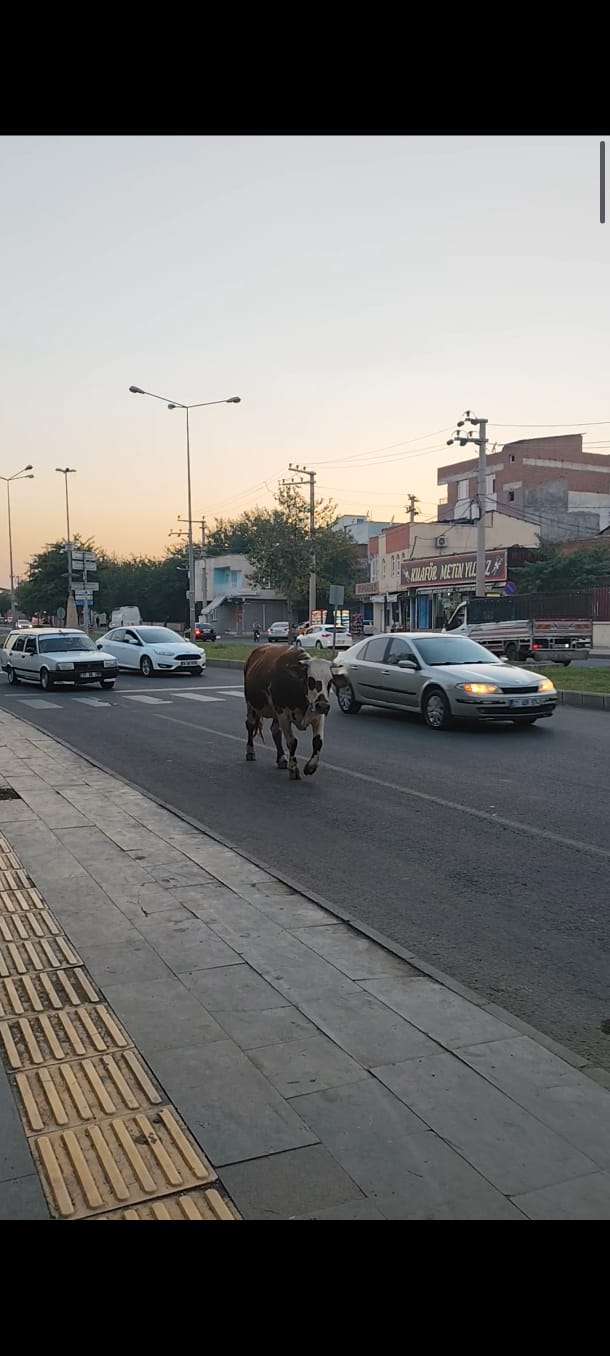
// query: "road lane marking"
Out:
[92,701]
[39,703]
[149,701]
[199,697]
[529,829]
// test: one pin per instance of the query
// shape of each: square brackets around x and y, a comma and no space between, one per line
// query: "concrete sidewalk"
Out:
[321,1075]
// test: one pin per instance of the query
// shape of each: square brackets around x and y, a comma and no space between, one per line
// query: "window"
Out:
[462,489]
[399,649]
[511,457]
[30,646]
[375,650]
[65,644]
[511,496]
[18,643]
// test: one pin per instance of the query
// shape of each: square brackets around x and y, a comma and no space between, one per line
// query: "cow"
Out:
[287,687]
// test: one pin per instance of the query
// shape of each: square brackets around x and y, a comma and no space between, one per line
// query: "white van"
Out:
[126,616]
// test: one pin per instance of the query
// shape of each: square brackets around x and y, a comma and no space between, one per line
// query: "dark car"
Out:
[204,631]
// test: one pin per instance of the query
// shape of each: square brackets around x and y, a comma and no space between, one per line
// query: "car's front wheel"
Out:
[347,701]
[12,676]
[147,667]
[319,645]
[106,683]
[436,710]
[46,680]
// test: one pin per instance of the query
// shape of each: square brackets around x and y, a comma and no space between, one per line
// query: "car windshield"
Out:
[436,650]
[64,644]
[158,635]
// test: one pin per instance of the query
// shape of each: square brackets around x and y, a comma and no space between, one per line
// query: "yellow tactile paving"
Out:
[25,927]
[106,1144]
[12,878]
[20,899]
[45,990]
[85,1090]
[51,1037]
[192,1205]
[21,958]
[118,1162]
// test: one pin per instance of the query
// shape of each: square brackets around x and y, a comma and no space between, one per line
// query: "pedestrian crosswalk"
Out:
[174,695]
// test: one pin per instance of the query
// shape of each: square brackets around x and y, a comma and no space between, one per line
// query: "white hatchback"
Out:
[153,649]
[321,638]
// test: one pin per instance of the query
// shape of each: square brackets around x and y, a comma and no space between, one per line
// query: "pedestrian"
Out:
[256,632]
[294,632]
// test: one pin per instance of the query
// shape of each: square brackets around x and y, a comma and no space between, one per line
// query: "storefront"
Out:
[431,588]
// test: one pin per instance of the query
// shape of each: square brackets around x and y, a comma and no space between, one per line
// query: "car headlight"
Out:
[65,666]
[479,689]
[110,663]
[545,685]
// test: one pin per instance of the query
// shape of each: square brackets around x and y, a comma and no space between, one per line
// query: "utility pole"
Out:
[310,478]
[481,442]
[412,503]
[199,522]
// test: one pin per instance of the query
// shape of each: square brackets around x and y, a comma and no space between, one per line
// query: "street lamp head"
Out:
[172,407]
[28,467]
[29,477]
[136,390]
[234,400]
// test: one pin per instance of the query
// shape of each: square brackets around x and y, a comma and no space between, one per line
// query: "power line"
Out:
[576,423]
[355,456]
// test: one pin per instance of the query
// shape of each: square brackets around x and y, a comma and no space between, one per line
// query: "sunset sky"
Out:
[357,293]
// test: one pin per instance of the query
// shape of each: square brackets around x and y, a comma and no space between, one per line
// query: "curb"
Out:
[580,1062]
[592,701]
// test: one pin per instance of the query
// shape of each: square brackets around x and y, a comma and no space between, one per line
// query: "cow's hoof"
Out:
[308,770]
[281,764]
[294,774]
[250,756]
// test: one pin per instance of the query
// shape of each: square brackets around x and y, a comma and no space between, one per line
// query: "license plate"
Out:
[88,674]
[523,701]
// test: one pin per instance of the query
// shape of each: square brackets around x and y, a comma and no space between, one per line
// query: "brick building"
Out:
[551,482]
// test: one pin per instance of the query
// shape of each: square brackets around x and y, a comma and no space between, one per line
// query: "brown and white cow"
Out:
[287,687]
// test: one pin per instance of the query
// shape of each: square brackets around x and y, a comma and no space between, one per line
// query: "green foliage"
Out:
[277,544]
[157,586]
[583,569]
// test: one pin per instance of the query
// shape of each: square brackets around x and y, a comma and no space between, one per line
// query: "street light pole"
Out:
[19,475]
[66,471]
[179,405]
[481,442]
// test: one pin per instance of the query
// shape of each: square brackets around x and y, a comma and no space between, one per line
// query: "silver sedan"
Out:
[441,676]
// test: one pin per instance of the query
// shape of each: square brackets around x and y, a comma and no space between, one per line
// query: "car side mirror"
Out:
[408,664]
[503,659]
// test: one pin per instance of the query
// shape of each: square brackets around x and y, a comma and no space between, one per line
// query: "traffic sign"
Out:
[336,595]
[510,587]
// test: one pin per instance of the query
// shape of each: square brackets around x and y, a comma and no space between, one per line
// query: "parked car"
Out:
[126,616]
[49,656]
[321,638]
[278,632]
[153,649]
[204,631]
[444,677]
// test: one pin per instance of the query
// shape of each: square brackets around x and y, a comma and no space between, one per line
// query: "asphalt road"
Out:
[486,852]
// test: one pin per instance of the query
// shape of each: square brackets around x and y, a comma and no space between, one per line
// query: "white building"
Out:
[226,596]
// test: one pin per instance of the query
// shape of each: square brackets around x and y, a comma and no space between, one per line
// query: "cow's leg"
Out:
[318,740]
[252,726]
[277,740]
[285,721]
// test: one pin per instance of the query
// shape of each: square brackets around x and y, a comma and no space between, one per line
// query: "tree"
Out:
[46,586]
[554,570]
[278,546]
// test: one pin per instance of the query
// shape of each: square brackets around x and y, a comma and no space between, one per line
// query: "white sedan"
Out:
[321,638]
[153,649]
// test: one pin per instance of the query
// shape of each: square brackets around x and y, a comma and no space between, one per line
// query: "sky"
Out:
[358,293]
